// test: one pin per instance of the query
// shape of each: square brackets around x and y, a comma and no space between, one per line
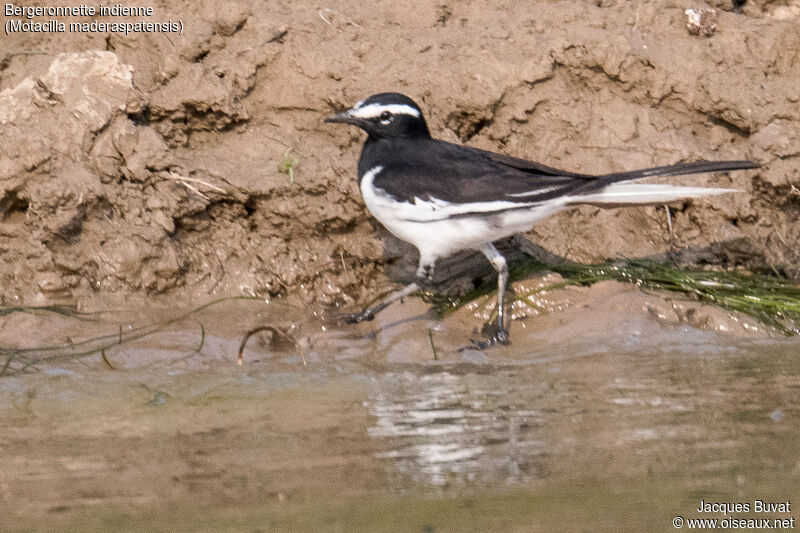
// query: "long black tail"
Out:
[697,167]
[680,169]
[610,190]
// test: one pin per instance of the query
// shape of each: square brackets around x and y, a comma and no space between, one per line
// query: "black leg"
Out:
[425,273]
[369,314]
[500,265]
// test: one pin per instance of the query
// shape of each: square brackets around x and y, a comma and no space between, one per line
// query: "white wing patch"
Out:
[537,192]
[375,110]
[437,209]
[388,210]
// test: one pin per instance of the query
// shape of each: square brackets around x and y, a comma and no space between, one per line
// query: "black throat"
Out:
[376,151]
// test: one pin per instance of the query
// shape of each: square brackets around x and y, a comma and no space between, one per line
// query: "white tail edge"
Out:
[619,194]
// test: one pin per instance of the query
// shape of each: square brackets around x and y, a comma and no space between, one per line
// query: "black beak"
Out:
[344,118]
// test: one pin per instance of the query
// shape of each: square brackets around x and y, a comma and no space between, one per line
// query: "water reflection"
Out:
[444,428]
[644,413]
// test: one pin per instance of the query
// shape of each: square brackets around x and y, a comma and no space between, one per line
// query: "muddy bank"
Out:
[195,165]
[549,320]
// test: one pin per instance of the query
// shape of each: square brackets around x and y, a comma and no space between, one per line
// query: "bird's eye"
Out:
[386,117]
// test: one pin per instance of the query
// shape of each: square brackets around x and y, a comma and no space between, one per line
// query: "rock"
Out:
[80,92]
[701,22]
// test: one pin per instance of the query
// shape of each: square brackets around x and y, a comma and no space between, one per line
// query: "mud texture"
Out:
[181,167]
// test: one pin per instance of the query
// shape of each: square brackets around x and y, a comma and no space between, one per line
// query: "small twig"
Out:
[195,180]
[25,53]
[19,362]
[433,346]
[202,338]
[290,147]
[168,39]
[328,22]
[781,238]
[187,182]
[279,35]
[333,11]
[196,191]
[222,268]
[6,59]
[275,331]
[105,359]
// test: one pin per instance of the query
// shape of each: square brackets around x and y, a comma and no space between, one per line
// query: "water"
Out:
[617,429]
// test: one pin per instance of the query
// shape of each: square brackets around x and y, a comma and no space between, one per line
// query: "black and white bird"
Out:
[444,198]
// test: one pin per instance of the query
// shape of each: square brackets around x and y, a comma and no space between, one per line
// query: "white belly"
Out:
[439,229]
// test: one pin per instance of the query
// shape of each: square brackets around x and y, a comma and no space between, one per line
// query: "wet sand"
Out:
[616,429]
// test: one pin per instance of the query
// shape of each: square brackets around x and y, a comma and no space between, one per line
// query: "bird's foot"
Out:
[354,318]
[501,337]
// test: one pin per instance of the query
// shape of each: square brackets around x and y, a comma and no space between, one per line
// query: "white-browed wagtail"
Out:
[443,197]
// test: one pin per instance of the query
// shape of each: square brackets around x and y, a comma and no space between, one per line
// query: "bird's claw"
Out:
[500,338]
[355,318]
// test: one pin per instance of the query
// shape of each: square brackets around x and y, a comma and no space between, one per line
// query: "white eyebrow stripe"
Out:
[375,110]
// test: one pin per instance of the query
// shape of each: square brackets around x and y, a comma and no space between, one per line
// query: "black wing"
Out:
[429,168]
[696,167]
[457,174]
[527,166]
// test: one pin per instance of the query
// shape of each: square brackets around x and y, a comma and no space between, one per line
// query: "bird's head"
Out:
[386,115]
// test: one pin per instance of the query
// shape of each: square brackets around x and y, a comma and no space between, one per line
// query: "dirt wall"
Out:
[157,165]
